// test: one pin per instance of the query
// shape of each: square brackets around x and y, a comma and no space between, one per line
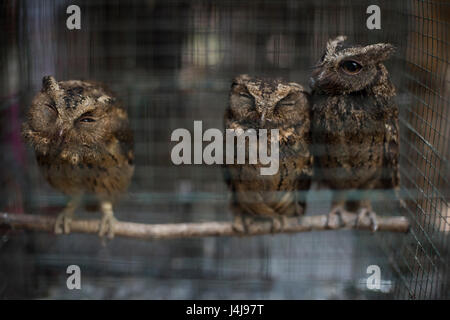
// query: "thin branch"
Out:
[201,229]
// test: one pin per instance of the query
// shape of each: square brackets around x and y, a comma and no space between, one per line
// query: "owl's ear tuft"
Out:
[240,79]
[105,99]
[49,84]
[297,86]
[379,52]
[333,43]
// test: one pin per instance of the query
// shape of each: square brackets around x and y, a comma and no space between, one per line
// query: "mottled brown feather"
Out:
[271,195]
[75,156]
[355,119]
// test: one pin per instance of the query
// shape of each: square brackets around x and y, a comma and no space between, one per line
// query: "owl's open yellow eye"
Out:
[351,67]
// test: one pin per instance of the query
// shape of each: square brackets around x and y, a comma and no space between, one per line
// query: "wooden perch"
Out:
[201,229]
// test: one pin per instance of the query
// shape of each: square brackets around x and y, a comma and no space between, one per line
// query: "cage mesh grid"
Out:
[171,63]
[421,258]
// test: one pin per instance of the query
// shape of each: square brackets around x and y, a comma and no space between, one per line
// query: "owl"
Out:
[355,125]
[257,104]
[83,145]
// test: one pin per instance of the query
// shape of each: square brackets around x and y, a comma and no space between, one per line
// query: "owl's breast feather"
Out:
[348,135]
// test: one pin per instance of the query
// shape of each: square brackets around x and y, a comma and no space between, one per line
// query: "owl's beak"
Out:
[263,118]
[61,136]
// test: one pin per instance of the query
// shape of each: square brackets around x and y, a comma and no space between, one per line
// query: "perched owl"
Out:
[83,145]
[355,123]
[270,104]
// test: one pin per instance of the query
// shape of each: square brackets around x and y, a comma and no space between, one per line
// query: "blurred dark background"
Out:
[171,62]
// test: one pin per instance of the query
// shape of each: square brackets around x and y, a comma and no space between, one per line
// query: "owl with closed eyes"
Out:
[355,124]
[256,103]
[83,145]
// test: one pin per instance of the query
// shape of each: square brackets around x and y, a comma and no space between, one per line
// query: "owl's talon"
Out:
[62,223]
[241,224]
[238,226]
[279,224]
[107,226]
[364,212]
[334,218]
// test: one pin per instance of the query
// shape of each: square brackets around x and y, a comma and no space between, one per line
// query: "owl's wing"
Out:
[124,135]
[227,174]
[126,143]
[391,174]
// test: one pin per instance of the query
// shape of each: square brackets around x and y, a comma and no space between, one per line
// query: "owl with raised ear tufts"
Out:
[83,145]
[355,123]
[257,103]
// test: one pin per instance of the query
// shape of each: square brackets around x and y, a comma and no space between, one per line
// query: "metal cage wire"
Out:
[171,63]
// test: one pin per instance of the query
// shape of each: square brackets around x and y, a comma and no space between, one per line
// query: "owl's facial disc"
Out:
[347,73]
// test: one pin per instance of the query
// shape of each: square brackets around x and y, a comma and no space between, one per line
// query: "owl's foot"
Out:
[63,221]
[107,226]
[364,212]
[279,223]
[334,218]
[108,221]
[241,223]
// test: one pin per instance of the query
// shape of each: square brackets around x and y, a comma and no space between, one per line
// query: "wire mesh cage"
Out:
[171,63]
